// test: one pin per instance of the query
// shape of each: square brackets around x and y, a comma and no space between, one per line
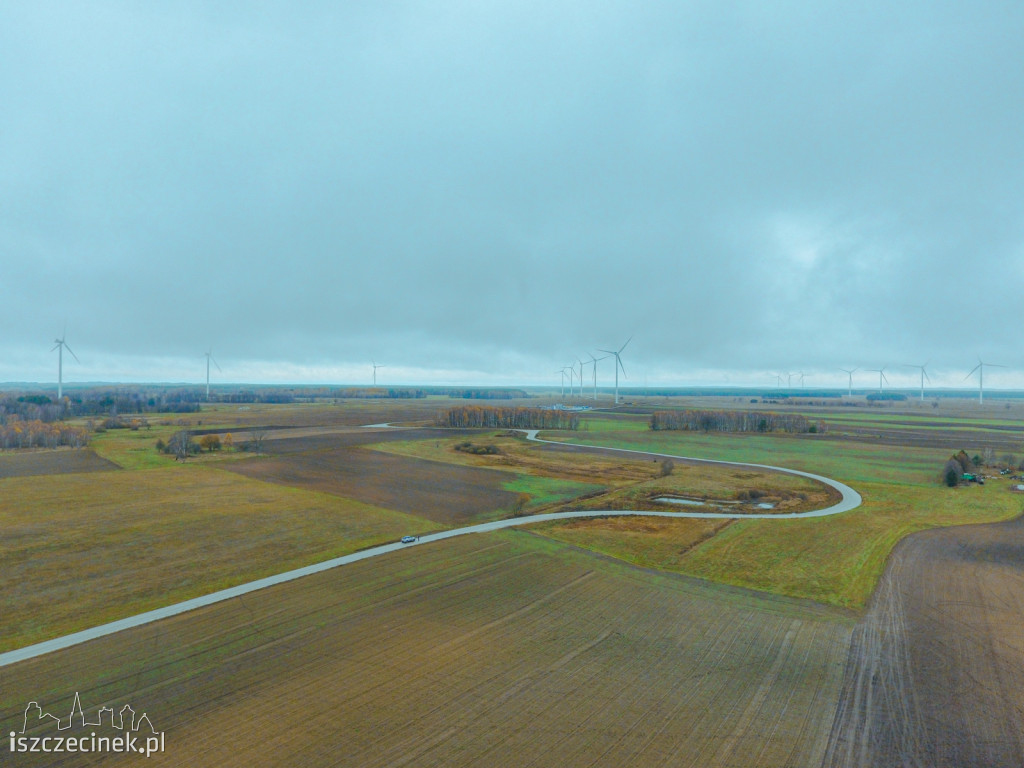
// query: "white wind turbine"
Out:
[849,383]
[881,376]
[618,365]
[209,357]
[563,381]
[980,368]
[572,376]
[594,360]
[62,345]
[924,375]
[375,367]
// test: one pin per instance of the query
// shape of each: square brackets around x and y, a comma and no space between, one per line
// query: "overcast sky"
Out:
[481,192]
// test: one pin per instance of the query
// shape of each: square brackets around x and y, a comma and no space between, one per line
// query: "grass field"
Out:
[836,560]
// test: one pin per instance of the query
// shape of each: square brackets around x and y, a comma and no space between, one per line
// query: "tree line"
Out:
[492,417]
[734,421]
[15,433]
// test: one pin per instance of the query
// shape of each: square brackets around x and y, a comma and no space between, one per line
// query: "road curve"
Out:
[851,499]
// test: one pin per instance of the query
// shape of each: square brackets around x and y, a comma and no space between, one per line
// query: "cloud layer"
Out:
[489,190]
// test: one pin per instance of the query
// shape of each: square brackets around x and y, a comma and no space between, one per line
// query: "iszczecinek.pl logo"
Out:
[106,731]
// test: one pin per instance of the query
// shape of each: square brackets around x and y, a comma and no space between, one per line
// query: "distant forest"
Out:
[507,418]
[734,421]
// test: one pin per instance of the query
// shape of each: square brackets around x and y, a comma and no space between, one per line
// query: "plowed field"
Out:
[54,462]
[488,650]
[936,672]
[444,493]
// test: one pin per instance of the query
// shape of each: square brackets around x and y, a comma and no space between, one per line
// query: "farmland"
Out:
[608,641]
[498,649]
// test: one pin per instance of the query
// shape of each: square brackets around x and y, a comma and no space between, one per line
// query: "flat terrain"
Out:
[496,649]
[82,549]
[836,560]
[52,462]
[936,672]
[336,463]
[610,641]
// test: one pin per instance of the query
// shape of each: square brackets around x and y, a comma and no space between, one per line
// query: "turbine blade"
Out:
[72,353]
[625,345]
[621,366]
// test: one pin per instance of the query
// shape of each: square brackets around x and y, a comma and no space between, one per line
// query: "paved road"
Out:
[851,499]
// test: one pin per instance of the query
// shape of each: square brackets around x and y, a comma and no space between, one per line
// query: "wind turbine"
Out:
[62,345]
[881,375]
[618,365]
[980,368]
[924,375]
[850,382]
[572,377]
[594,361]
[563,381]
[209,357]
[375,367]
[801,375]
[778,381]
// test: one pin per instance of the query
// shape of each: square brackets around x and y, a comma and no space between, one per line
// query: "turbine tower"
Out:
[594,361]
[980,368]
[881,375]
[924,375]
[375,367]
[209,357]
[61,345]
[618,365]
[849,383]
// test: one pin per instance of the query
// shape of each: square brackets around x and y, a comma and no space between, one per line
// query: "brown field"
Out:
[498,649]
[335,463]
[936,672]
[52,462]
[632,479]
[79,550]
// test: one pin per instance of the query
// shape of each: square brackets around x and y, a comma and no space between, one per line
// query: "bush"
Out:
[666,468]
[478,450]
[952,473]
[210,442]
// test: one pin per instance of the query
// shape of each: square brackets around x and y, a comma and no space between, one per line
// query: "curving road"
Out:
[851,499]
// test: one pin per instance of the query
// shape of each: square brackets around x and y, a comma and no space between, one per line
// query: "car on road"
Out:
[408,539]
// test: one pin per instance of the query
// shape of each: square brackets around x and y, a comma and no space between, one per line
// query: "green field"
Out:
[835,560]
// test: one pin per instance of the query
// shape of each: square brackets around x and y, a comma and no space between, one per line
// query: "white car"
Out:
[408,539]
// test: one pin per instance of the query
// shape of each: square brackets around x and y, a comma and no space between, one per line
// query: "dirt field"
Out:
[444,493]
[52,462]
[936,672]
[489,650]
